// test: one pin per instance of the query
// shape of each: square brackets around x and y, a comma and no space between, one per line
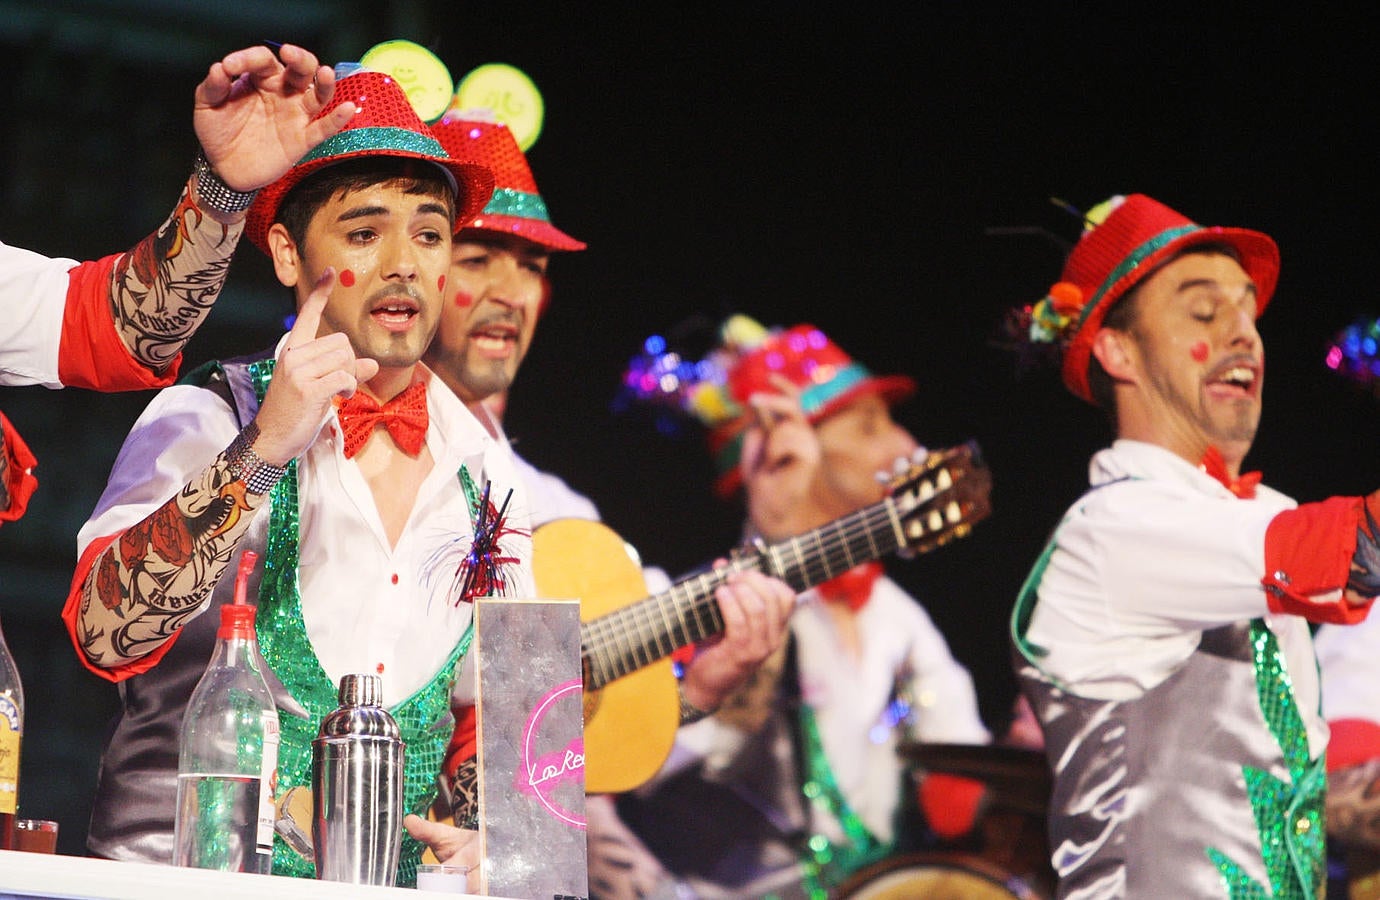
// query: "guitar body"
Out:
[630,724]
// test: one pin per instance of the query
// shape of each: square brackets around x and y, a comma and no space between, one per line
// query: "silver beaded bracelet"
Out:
[216,194]
[247,466]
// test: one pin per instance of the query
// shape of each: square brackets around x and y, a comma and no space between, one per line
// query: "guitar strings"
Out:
[648,632]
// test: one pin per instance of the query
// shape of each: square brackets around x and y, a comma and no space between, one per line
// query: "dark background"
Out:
[840,166]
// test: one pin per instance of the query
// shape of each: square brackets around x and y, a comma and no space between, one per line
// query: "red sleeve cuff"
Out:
[91,353]
[20,480]
[1353,742]
[464,741]
[1308,553]
[71,617]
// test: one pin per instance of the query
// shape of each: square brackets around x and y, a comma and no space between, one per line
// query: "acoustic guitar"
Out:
[631,707]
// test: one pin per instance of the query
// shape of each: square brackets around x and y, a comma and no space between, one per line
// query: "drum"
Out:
[935,876]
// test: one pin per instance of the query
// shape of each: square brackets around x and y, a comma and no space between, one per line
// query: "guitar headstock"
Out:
[941,497]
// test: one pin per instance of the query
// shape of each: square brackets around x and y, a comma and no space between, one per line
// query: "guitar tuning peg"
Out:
[952,512]
[882,476]
[901,466]
[924,490]
[944,480]
[935,520]
[920,455]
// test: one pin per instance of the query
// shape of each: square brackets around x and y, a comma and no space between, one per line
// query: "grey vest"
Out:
[1199,788]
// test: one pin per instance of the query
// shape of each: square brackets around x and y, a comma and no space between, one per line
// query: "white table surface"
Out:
[54,877]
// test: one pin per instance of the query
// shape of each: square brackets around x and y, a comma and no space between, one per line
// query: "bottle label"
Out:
[268,783]
[11,722]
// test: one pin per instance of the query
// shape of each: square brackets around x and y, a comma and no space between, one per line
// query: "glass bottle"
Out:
[229,752]
[11,731]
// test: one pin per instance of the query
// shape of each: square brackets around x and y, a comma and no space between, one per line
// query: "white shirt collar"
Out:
[1138,459]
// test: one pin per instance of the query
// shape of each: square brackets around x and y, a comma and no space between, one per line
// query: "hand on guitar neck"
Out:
[755,610]
[631,707]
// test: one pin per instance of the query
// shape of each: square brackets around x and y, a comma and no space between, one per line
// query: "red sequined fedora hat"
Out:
[515,207]
[1112,257]
[386,125]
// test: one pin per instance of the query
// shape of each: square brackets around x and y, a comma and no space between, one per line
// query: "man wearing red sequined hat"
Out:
[1163,637]
[803,761]
[500,287]
[340,459]
[119,323]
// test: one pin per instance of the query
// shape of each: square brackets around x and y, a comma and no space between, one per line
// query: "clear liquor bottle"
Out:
[229,752]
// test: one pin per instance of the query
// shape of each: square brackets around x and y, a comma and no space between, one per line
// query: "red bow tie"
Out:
[404,416]
[853,587]
[1214,465]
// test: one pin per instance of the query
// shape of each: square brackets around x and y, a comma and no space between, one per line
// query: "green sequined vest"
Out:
[423,718]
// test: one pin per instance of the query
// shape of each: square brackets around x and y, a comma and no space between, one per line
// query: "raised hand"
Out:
[253,113]
[310,372]
[780,463]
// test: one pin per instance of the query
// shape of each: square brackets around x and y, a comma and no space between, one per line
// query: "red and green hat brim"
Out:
[473,184]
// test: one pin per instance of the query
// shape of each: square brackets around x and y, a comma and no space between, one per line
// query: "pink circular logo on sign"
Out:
[543,773]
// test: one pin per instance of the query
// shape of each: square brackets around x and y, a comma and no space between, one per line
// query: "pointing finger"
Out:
[308,322]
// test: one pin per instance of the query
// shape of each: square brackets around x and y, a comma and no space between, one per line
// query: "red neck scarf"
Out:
[405,417]
[1214,465]
[852,587]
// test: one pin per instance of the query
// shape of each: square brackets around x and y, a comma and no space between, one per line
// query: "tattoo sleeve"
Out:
[1363,582]
[158,574]
[464,795]
[1353,804]
[4,473]
[162,289]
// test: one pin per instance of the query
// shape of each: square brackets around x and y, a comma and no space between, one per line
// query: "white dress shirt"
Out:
[1156,553]
[368,607]
[33,295]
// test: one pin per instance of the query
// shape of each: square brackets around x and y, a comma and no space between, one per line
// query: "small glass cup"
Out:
[443,879]
[35,835]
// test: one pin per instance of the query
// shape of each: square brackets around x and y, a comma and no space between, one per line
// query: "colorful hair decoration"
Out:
[748,360]
[679,390]
[1355,353]
[1051,317]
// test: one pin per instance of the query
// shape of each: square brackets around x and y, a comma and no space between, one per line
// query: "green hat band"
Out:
[376,138]
[518,204]
[1133,259]
[812,400]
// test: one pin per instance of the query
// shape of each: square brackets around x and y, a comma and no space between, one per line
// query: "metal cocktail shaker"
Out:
[357,788]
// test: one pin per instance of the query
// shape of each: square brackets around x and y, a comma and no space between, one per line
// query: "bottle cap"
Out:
[237,621]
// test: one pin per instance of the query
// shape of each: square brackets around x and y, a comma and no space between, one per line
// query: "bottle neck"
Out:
[236,651]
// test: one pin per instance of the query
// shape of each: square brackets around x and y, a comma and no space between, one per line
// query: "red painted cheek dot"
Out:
[1199,351]
[347,278]
[463,299]
[441,285]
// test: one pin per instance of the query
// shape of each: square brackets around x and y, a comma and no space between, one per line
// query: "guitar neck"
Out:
[652,629]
